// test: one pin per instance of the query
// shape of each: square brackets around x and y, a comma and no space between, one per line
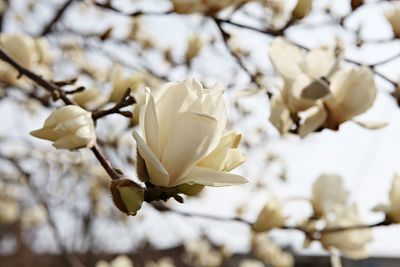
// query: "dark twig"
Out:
[49,86]
[60,12]
[126,100]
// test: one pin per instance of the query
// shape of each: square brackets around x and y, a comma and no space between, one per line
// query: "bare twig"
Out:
[60,12]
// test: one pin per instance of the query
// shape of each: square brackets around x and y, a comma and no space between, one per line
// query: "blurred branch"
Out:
[71,260]
[60,12]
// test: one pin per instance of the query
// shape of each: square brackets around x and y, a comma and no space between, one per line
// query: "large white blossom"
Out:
[184,141]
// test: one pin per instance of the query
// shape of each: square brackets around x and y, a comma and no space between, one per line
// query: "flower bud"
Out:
[271,216]
[127,195]
[69,127]
[302,9]
[393,17]
[194,45]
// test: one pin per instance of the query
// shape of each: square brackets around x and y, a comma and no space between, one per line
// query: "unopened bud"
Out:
[302,9]
[127,195]
[194,46]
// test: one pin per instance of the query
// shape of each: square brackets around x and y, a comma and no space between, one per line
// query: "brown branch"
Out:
[47,85]
[48,28]
[108,6]
[126,100]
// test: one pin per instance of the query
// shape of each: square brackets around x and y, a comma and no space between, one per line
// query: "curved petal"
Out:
[314,118]
[157,173]
[176,99]
[280,114]
[286,58]
[318,62]
[210,177]
[150,125]
[354,92]
[191,138]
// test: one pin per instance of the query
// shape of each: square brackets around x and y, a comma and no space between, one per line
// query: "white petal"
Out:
[314,118]
[319,62]
[353,91]
[176,99]
[190,139]
[150,127]
[280,114]
[286,58]
[210,177]
[157,173]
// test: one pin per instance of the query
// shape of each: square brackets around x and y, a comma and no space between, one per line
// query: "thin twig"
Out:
[48,28]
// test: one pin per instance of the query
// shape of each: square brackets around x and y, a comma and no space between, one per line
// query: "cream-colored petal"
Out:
[280,114]
[353,91]
[295,102]
[157,173]
[45,133]
[190,139]
[286,58]
[70,142]
[314,118]
[224,157]
[318,62]
[150,129]
[64,113]
[176,99]
[210,177]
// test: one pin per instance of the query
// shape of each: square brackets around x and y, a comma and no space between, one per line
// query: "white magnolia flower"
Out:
[349,242]
[393,17]
[307,95]
[393,209]
[328,192]
[302,9]
[271,216]
[90,98]
[69,127]
[26,51]
[183,141]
